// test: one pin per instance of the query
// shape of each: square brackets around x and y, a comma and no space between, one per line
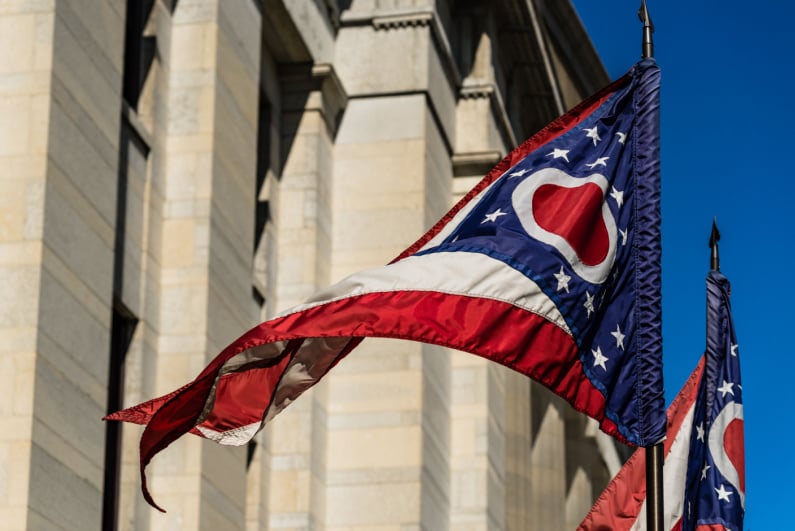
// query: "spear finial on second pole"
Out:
[714,238]
[648,29]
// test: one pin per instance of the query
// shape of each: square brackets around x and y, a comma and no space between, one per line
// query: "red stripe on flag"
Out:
[495,330]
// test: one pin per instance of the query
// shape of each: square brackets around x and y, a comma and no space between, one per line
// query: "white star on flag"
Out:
[601,161]
[493,216]
[599,359]
[723,494]
[619,337]
[518,173]
[727,387]
[622,137]
[618,195]
[700,432]
[623,236]
[563,280]
[588,303]
[704,472]
[734,350]
[560,154]
[593,134]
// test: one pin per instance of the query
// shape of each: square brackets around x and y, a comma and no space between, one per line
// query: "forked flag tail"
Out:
[549,266]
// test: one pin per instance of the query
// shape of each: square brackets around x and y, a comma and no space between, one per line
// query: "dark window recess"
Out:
[261,205]
[262,212]
[123,325]
[258,297]
[139,51]
[251,449]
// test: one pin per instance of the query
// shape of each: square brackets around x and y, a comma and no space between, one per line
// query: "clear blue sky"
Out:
[727,80]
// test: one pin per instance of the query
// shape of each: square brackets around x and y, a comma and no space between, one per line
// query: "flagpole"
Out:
[654,487]
[648,29]
[654,454]
[714,261]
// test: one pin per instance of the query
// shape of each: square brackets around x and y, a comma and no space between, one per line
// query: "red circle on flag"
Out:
[570,214]
[575,214]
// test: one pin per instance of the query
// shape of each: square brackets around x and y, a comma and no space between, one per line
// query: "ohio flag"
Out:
[550,266]
[704,471]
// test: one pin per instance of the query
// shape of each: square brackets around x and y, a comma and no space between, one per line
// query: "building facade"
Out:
[175,171]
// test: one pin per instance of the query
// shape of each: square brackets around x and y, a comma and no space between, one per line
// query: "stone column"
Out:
[312,100]
[207,242]
[477,445]
[581,454]
[375,397]
[490,412]
[26,57]
[60,86]
[387,413]
[519,486]
[143,151]
[592,459]
[548,458]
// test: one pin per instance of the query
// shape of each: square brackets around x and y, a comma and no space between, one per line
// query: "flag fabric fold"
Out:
[550,266]
[704,470]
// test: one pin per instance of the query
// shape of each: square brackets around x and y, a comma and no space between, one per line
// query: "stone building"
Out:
[174,171]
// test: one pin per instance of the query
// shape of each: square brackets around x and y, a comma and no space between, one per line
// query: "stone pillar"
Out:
[386,408]
[490,405]
[519,486]
[548,459]
[26,56]
[207,242]
[312,99]
[60,85]
[374,397]
[477,445]
[592,459]
[581,454]
[143,146]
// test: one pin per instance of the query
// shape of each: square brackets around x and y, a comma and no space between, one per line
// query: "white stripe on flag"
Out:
[459,273]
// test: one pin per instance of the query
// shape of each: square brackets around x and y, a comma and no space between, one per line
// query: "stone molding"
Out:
[490,91]
[313,87]
[475,163]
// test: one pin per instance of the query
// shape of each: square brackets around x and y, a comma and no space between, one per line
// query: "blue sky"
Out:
[727,78]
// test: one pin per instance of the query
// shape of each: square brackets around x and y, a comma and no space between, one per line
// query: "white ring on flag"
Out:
[523,205]
[732,411]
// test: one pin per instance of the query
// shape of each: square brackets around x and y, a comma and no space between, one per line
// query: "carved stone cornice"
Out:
[401,20]
[474,92]
[404,20]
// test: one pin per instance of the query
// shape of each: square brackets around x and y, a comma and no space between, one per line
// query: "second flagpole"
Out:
[654,454]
